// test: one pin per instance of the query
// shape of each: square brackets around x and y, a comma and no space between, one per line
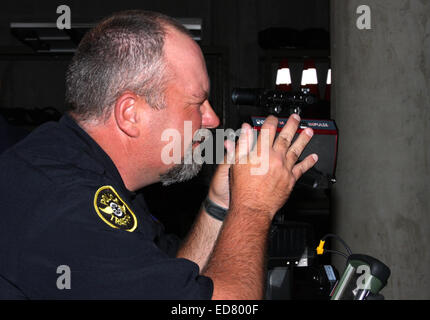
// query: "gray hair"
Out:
[184,171]
[124,52]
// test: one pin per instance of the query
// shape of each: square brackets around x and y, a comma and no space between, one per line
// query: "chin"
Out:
[180,173]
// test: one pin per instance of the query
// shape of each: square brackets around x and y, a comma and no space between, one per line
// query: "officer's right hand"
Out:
[261,180]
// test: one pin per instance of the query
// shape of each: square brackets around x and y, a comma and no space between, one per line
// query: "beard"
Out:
[184,171]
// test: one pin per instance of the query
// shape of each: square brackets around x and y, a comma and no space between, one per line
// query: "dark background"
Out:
[32,81]
[230,29]
[380,104]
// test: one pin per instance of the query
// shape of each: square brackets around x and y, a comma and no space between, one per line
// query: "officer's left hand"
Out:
[219,190]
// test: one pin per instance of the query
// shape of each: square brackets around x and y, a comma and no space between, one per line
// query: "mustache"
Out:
[188,168]
[199,135]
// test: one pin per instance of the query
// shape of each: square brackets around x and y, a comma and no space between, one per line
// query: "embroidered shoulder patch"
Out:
[113,210]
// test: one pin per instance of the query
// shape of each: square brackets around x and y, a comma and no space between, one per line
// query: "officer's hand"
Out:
[219,190]
[262,180]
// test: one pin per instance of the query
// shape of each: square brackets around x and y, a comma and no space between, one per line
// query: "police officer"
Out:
[9,135]
[72,226]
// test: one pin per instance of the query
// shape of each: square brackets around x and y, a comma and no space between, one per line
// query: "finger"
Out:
[298,146]
[269,127]
[303,166]
[285,137]
[244,144]
[228,158]
[230,148]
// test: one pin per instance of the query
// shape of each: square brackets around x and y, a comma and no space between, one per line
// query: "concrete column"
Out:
[381,103]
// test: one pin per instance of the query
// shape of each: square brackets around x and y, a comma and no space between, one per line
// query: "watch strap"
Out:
[214,210]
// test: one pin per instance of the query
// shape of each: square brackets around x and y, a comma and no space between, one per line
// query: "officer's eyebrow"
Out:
[203,96]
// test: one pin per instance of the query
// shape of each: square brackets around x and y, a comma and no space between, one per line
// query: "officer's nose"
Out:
[209,118]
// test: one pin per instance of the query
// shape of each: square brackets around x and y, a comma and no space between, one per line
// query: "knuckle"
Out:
[302,169]
[304,138]
[271,121]
[272,118]
[285,140]
[294,154]
[277,162]
[292,182]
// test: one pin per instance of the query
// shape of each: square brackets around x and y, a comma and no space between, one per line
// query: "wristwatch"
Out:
[214,210]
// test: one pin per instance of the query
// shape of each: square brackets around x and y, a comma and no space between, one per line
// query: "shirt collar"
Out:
[96,152]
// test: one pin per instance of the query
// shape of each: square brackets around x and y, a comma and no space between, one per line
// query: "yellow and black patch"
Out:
[113,210]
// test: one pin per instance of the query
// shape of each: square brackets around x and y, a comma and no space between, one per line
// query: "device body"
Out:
[363,278]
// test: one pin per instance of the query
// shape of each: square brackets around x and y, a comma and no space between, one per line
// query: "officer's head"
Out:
[139,74]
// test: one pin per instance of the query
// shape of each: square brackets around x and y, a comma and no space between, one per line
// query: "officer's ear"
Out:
[126,114]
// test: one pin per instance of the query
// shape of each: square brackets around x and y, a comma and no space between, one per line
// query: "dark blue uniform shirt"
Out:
[9,135]
[64,207]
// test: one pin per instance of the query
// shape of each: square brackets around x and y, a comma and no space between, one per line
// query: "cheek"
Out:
[178,124]
[189,130]
[197,122]
[196,118]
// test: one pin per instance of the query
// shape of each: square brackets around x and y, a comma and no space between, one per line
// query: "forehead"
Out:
[186,63]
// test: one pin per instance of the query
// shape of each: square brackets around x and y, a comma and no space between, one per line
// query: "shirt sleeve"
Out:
[104,262]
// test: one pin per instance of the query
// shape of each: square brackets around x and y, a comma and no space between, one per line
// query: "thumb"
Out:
[223,167]
[245,143]
[230,148]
